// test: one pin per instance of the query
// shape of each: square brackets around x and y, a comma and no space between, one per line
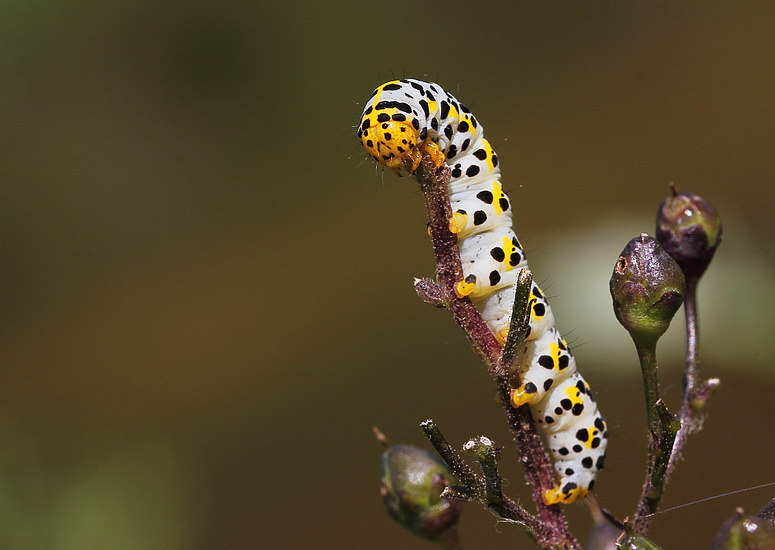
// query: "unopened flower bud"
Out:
[744,532]
[412,482]
[647,288]
[690,230]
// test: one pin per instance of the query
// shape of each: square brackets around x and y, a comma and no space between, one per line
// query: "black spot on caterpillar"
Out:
[402,121]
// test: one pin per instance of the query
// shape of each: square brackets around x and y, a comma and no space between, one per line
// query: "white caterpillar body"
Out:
[405,119]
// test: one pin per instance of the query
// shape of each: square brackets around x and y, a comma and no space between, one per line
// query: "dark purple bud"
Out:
[690,230]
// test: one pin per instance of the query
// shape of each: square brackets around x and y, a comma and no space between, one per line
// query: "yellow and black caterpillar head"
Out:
[405,119]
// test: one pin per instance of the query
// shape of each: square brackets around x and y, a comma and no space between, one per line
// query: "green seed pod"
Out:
[412,482]
[744,532]
[647,287]
[690,230]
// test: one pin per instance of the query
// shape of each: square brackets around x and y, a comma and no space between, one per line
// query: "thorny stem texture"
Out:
[538,469]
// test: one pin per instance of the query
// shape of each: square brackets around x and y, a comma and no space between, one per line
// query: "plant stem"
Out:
[692,335]
[433,183]
[485,491]
[484,450]
[662,429]
[695,394]
[538,469]
[647,355]
[464,474]
[690,372]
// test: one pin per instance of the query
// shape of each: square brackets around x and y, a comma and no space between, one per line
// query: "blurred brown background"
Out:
[206,297]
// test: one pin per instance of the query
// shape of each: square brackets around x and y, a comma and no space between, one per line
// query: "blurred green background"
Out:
[205,291]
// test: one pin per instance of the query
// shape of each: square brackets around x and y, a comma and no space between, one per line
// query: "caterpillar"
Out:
[406,119]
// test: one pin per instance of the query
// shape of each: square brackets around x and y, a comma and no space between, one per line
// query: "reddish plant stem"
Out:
[685,414]
[433,183]
[535,461]
[692,335]
[695,393]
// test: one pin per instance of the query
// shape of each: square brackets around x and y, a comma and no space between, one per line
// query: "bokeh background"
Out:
[206,298]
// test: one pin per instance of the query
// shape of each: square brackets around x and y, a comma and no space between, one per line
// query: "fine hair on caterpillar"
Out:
[407,120]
